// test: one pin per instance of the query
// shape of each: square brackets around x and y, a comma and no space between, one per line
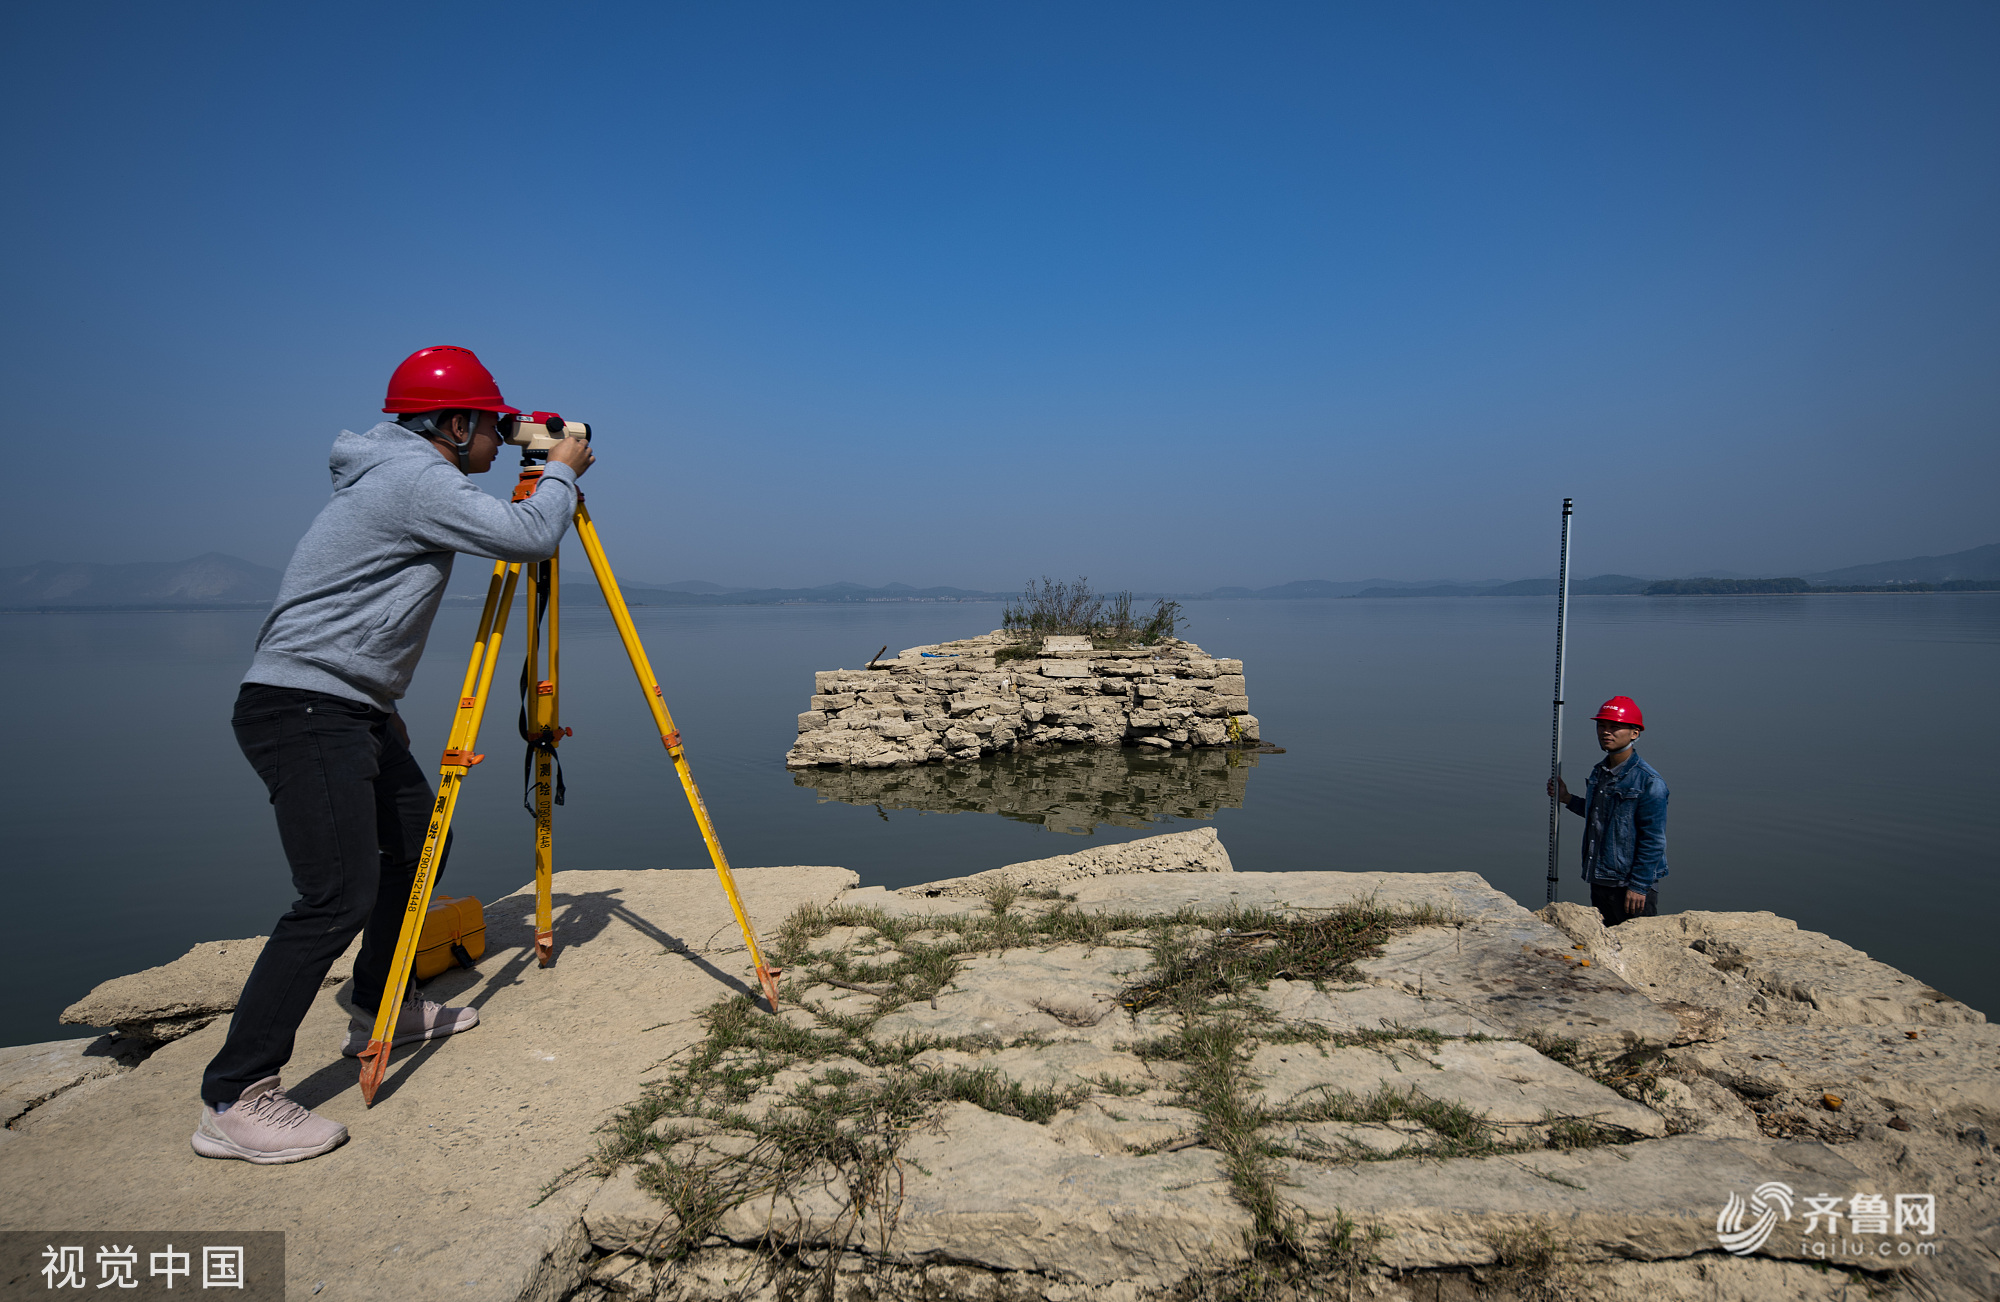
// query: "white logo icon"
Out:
[1769,1204]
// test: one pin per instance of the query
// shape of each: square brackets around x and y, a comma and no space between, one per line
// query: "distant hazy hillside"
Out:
[696,592]
[1305,588]
[213,580]
[691,585]
[1977,563]
[1603,584]
[216,580]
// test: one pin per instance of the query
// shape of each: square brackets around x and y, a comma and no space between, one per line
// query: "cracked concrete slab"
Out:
[1369,1008]
[1652,1200]
[1524,976]
[32,1074]
[1008,1194]
[1463,895]
[1506,1081]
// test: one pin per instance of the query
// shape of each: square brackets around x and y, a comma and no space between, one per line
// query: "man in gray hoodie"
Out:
[317,719]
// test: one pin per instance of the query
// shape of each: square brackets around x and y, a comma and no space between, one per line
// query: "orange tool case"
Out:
[454,935]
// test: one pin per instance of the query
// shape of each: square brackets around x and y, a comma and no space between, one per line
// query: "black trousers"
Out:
[352,808]
[1610,904]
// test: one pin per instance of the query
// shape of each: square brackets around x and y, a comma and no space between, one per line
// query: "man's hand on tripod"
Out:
[574,453]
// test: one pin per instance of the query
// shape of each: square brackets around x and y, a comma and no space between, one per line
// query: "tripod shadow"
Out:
[579,919]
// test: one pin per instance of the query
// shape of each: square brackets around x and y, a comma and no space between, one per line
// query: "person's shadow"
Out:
[579,919]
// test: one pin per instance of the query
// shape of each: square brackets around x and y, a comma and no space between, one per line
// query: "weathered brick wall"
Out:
[952,701]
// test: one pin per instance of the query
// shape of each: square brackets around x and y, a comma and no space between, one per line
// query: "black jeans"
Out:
[1610,903]
[352,809]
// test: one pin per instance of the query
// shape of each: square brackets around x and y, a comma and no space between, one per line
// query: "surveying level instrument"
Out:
[543,732]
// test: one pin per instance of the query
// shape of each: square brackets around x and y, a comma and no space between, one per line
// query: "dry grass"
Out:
[719,1130]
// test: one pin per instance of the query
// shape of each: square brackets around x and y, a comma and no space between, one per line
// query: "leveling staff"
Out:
[317,719]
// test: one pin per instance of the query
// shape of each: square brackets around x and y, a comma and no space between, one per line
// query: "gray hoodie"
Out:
[358,597]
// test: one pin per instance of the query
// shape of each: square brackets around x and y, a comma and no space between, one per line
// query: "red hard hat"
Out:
[1621,709]
[433,379]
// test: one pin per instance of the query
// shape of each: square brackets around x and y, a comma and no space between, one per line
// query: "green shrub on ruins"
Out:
[1051,608]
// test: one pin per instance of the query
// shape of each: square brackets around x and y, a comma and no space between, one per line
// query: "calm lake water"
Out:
[1830,760]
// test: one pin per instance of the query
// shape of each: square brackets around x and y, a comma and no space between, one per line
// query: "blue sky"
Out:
[1173,295]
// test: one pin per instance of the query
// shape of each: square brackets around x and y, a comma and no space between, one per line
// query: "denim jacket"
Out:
[1632,849]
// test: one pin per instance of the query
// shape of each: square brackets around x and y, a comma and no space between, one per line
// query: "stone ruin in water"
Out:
[957,701]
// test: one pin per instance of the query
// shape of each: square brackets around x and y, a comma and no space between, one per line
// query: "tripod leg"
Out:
[458,760]
[542,723]
[586,533]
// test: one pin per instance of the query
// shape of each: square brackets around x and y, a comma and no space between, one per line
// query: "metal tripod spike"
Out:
[540,724]
[1556,733]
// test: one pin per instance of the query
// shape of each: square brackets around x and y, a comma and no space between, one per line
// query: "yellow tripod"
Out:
[545,734]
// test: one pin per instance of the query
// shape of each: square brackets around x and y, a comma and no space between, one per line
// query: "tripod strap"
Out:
[545,740]
[528,773]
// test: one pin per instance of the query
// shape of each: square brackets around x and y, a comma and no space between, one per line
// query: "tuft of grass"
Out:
[1276,1031]
[1001,896]
[1331,1256]
[1529,1265]
[988,1089]
[1565,1133]
[1115,1086]
[1252,947]
[1636,1074]
[1557,1048]
[1455,1130]
[1215,1055]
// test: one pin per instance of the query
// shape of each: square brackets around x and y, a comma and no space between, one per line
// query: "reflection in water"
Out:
[1071,790]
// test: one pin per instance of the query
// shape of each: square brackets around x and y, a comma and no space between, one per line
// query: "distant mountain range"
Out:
[1600,585]
[210,582]
[1974,563]
[219,582]
[697,592]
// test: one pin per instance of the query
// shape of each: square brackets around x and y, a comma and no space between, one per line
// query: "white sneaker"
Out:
[265,1127]
[417,1019]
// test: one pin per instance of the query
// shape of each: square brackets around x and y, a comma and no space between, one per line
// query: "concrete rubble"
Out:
[959,701]
[178,998]
[1496,1104]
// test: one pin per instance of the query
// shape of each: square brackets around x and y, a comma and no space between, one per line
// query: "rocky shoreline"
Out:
[961,700]
[1131,1073]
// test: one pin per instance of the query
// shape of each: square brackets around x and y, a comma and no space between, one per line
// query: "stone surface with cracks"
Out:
[1711,1053]
[1467,1009]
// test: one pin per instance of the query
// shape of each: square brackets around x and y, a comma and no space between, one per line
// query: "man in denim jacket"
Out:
[1624,819]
